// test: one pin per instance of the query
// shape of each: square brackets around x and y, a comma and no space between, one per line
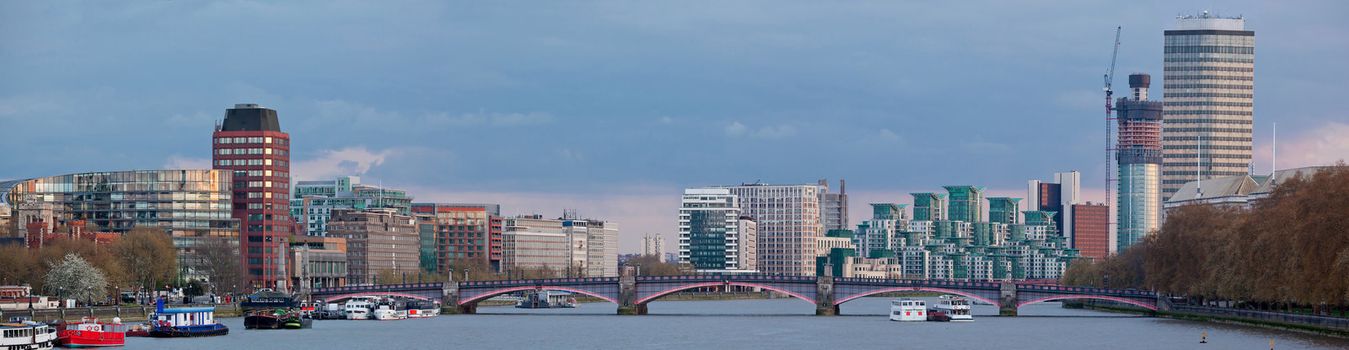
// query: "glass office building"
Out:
[189,205]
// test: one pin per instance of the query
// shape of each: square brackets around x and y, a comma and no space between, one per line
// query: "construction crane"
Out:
[1110,129]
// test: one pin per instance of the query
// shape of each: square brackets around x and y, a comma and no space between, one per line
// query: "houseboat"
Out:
[957,308]
[544,299]
[27,335]
[184,322]
[91,333]
[908,310]
[423,308]
[359,308]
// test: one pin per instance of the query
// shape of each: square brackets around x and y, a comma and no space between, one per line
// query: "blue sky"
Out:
[613,107]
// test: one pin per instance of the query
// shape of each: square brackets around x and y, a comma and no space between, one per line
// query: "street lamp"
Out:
[465,274]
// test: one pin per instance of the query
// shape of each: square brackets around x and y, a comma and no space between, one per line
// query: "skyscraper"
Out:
[250,143]
[1139,154]
[1209,90]
[1057,197]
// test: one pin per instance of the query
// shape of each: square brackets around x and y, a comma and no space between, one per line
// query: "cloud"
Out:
[1324,145]
[487,118]
[346,161]
[181,162]
[738,129]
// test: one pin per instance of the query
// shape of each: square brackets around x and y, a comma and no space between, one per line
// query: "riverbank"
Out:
[1319,325]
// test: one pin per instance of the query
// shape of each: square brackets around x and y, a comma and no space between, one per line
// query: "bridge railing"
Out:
[377,288]
[734,277]
[919,282]
[1087,290]
[576,280]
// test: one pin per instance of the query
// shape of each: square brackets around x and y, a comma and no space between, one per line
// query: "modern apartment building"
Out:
[834,206]
[789,221]
[189,205]
[314,200]
[250,144]
[1209,93]
[460,232]
[709,230]
[1091,230]
[563,246]
[379,241]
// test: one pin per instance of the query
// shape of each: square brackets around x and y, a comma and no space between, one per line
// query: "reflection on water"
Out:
[752,324]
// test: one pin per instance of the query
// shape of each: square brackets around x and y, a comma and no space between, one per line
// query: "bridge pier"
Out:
[824,296]
[627,292]
[1007,299]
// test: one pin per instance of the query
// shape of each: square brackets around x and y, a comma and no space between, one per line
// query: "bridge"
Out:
[632,293]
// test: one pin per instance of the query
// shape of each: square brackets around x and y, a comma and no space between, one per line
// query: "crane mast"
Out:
[1110,132]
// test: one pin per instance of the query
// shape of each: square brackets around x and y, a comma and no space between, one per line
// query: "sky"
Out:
[612,108]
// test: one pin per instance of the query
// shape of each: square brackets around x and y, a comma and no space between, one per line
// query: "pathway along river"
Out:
[752,324]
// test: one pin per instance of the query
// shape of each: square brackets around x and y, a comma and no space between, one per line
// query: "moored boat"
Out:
[545,299]
[358,308]
[184,322]
[957,308]
[422,308]
[388,309]
[91,333]
[27,335]
[264,319]
[908,310]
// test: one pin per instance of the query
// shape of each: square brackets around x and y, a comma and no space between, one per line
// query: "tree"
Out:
[15,265]
[75,278]
[650,265]
[221,263]
[148,257]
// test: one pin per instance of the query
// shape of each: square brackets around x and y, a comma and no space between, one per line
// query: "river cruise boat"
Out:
[184,322]
[423,308]
[388,310]
[957,308]
[908,310]
[90,333]
[27,335]
[359,308]
[546,300]
[267,299]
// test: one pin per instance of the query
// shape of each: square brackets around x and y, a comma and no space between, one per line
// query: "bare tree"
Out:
[148,257]
[221,263]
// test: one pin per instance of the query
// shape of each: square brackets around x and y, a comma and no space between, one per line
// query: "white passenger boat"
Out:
[422,308]
[957,308]
[27,335]
[388,310]
[908,310]
[359,308]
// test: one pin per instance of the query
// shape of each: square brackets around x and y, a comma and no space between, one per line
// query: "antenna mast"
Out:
[1110,127]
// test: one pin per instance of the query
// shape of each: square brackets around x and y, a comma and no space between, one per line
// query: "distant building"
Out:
[314,201]
[1235,191]
[378,241]
[1091,228]
[250,144]
[654,245]
[1057,197]
[928,206]
[188,205]
[1209,75]
[710,236]
[567,247]
[966,203]
[318,262]
[882,235]
[461,231]
[1004,210]
[834,206]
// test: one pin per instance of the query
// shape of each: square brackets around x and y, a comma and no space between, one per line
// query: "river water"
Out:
[752,324]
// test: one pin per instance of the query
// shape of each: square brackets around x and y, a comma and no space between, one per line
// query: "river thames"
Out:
[752,324]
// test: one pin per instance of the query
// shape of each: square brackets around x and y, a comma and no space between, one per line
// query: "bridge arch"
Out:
[720,283]
[1133,302]
[917,289]
[330,298]
[496,292]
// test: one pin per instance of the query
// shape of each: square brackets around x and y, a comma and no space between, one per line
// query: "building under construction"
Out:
[1139,153]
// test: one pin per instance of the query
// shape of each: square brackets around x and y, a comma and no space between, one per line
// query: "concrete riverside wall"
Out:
[1336,324]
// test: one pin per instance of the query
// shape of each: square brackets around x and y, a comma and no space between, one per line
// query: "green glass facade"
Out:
[707,240]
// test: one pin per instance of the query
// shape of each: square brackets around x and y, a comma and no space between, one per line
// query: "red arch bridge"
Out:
[632,293]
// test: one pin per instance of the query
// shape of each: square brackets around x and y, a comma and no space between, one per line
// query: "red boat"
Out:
[91,333]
